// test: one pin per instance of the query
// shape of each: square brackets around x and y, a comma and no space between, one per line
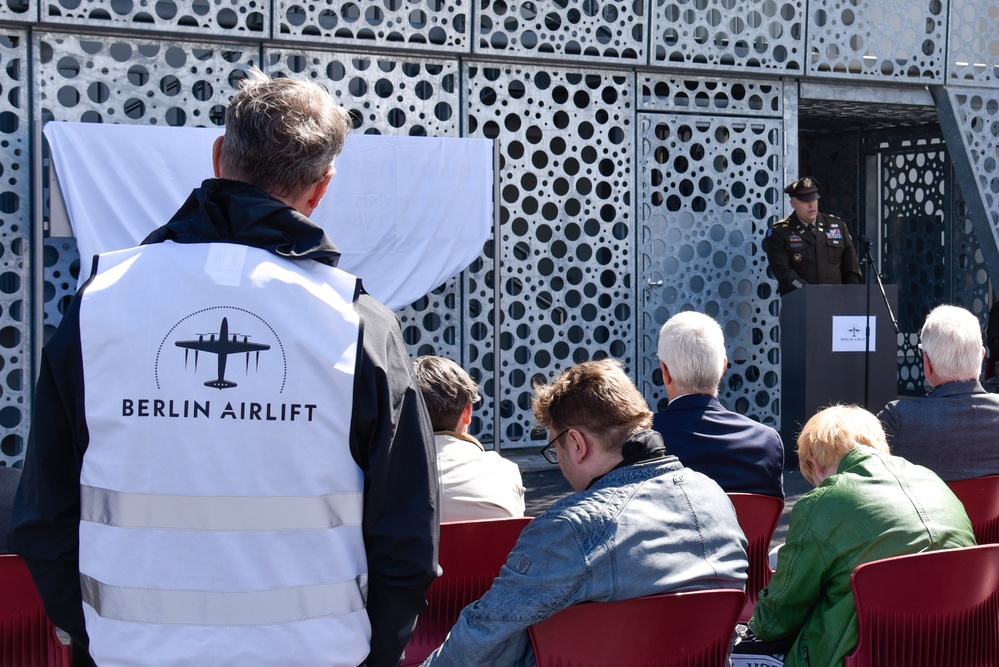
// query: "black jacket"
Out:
[390,434]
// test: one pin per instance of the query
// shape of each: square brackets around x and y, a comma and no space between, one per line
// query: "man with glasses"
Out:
[640,523]
[952,430]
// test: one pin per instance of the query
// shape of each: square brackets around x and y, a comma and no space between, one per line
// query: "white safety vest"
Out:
[221,506]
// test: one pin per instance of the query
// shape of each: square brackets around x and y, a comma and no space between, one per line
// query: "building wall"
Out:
[642,149]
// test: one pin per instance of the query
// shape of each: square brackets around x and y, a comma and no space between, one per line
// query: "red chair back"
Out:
[692,629]
[929,609]
[27,636]
[471,555]
[758,516]
[981,501]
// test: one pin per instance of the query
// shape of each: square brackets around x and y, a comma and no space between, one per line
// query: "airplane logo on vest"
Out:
[222,347]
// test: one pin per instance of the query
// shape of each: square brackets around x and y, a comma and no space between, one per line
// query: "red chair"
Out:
[932,609]
[471,555]
[758,516]
[27,636]
[981,500]
[692,629]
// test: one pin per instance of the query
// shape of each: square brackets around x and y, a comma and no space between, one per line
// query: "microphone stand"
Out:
[869,262]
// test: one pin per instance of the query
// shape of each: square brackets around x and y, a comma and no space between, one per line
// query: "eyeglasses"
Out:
[549,451]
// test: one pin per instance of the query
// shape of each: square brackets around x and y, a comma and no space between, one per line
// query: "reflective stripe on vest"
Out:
[224,608]
[176,512]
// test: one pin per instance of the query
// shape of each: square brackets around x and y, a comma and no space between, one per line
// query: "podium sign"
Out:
[823,337]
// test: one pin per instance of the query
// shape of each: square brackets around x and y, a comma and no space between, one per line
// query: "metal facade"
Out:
[638,141]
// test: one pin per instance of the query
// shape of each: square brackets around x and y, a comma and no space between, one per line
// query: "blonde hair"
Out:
[833,432]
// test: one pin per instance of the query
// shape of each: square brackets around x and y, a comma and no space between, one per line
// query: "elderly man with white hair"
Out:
[952,430]
[742,455]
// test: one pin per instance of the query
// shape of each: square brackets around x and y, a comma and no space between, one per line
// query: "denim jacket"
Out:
[641,529]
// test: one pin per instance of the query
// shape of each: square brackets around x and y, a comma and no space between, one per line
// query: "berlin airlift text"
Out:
[241,410]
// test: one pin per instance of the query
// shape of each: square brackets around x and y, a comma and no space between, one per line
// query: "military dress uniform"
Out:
[825,256]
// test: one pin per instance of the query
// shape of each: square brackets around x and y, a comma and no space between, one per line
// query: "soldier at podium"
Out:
[808,247]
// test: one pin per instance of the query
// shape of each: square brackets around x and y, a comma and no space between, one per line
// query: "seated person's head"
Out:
[448,391]
[691,354]
[281,135]
[590,411]
[829,435]
[951,340]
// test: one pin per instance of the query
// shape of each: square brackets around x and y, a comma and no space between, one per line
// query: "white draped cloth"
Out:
[408,213]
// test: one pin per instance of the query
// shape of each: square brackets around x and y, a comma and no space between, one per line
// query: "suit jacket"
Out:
[953,430]
[741,455]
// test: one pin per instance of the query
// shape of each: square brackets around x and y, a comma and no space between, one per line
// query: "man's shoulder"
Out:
[738,422]
[780,228]
[746,422]
[454,452]
[614,488]
[953,396]
[375,316]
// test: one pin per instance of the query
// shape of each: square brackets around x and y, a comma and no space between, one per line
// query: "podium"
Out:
[822,343]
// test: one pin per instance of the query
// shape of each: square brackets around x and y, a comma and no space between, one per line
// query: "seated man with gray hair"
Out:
[474,483]
[952,430]
[742,455]
[639,524]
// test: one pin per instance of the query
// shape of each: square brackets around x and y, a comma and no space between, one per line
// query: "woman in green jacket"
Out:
[866,505]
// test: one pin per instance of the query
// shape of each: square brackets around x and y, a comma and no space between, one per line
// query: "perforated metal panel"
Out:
[423,24]
[883,40]
[18,10]
[709,188]
[729,34]
[566,88]
[711,95]
[15,249]
[973,42]
[385,95]
[215,17]
[914,218]
[929,246]
[977,118]
[136,80]
[566,242]
[608,30]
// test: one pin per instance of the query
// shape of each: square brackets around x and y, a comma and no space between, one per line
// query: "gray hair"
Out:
[692,347]
[952,338]
[282,135]
[446,389]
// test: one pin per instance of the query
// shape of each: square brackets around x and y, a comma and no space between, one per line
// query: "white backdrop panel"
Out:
[408,213]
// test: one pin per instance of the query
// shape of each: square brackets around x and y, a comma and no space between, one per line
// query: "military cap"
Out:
[805,188]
